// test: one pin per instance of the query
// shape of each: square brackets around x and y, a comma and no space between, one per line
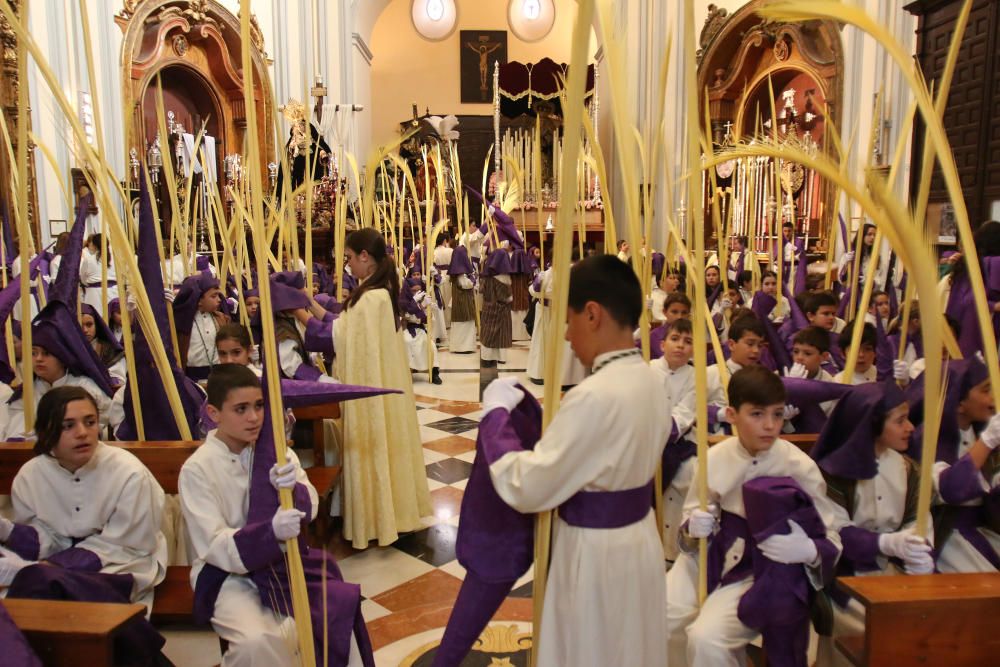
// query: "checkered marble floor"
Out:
[409,588]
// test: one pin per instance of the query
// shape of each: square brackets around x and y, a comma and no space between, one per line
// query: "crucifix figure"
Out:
[483,50]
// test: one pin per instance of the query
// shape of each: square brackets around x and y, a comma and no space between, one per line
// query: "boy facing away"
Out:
[604,599]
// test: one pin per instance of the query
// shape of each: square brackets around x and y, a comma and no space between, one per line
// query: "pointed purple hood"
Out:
[65,288]
[846,446]
[56,329]
[506,227]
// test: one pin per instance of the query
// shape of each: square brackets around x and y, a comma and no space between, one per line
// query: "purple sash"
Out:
[608,509]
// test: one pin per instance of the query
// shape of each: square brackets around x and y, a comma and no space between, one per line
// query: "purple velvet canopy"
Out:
[846,446]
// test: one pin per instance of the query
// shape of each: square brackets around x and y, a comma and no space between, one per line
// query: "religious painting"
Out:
[481,49]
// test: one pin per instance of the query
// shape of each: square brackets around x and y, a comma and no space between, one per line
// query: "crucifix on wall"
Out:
[480,50]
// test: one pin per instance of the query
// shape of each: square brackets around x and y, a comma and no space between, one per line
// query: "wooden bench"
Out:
[316,414]
[71,633]
[173,599]
[935,619]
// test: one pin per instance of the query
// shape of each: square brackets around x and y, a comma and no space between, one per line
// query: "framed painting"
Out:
[480,50]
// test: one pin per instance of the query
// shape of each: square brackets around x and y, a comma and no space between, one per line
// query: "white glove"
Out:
[6,528]
[847,257]
[287,524]
[169,295]
[991,434]
[502,393]
[900,370]
[10,565]
[797,371]
[702,523]
[790,412]
[130,302]
[923,564]
[721,416]
[726,303]
[285,476]
[795,547]
[903,544]
[420,296]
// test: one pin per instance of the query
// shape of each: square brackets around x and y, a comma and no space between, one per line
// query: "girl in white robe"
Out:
[874,488]
[573,372]
[84,505]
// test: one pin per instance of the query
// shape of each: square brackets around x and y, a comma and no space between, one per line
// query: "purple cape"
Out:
[779,599]
[498,263]
[495,542]
[506,227]
[807,395]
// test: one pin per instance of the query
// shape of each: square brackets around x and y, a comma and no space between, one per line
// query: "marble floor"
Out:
[409,588]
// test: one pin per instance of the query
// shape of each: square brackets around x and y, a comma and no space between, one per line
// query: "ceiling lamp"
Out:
[531,20]
[434,19]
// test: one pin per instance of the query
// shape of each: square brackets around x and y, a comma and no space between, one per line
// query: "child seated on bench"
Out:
[798,555]
[233,551]
[874,487]
[89,514]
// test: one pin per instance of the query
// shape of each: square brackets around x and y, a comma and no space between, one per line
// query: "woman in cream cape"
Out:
[385,483]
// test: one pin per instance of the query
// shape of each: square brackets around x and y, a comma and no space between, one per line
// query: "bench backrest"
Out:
[164,459]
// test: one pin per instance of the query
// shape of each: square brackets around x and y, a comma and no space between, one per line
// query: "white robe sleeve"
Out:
[23,497]
[561,463]
[288,358]
[211,539]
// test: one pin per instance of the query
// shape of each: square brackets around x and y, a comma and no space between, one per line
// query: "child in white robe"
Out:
[214,487]
[874,488]
[604,598]
[746,338]
[83,505]
[678,464]
[713,635]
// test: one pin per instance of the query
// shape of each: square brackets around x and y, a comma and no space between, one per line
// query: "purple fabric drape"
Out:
[495,543]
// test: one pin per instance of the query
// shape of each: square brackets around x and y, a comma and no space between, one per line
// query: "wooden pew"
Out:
[173,599]
[316,414]
[935,619]
[71,633]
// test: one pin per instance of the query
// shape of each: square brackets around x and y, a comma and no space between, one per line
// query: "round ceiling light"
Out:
[531,20]
[434,19]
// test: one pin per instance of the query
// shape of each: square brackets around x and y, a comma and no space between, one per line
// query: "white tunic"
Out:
[957,554]
[214,488]
[201,348]
[90,274]
[14,426]
[573,370]
[716,636]
[604,601]
[680,388]
[112,507]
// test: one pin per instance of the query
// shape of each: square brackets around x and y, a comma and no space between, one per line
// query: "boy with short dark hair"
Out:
[821,310]
[678,380]
[227,546]
[742,492]
[600,451]
[676,306]
[746,340]
[810,350]
[864,368]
